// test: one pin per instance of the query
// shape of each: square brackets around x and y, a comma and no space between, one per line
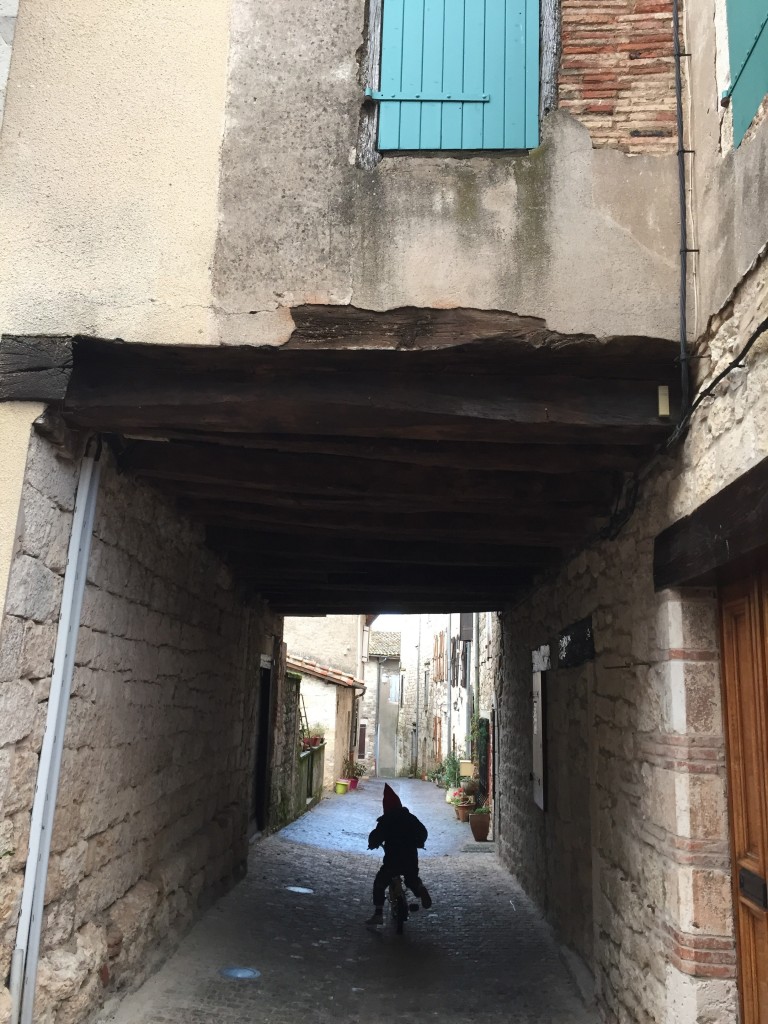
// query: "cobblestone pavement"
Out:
[482,954]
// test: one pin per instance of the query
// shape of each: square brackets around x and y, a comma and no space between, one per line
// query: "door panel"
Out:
[744,618]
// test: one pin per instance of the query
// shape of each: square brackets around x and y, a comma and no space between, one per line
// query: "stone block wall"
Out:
[334,640]
[153,809]
[639,730]
[617,72]
[286,798]
[630,859]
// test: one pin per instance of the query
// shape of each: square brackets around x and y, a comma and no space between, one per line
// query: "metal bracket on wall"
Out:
[422,97]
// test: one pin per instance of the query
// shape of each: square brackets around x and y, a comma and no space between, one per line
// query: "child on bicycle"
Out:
[402,835]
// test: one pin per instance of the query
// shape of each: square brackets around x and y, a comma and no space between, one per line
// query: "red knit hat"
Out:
[391,801]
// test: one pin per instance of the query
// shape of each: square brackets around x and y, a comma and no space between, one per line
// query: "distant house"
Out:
[329,697]
[380,708]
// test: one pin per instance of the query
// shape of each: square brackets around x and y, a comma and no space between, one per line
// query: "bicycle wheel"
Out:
[398,904]
[401,913]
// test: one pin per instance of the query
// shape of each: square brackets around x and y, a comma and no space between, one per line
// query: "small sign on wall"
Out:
[538,706]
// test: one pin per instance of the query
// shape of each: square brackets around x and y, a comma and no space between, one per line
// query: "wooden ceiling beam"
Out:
[463,577]
[370,603]
[456,455]
[250,546]
[249,472]
[395,395]
[545,527]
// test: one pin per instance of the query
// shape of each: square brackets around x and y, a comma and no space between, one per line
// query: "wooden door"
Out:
[744,616]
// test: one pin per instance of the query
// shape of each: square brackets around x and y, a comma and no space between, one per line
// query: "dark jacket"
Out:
[401,834]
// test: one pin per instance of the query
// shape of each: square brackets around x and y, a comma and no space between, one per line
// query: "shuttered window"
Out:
[748,51]
[459,74]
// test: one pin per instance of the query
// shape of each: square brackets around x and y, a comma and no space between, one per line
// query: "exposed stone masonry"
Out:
[154,802]
[617,72]
[663,944]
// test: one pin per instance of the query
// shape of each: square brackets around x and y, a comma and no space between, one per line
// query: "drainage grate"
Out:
[239,973]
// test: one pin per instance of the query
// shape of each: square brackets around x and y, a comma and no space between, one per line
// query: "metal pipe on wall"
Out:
[26,954]
[378,710]
[449,679]
[418,687]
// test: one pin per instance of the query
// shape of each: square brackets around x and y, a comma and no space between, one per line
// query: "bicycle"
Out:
[399,907]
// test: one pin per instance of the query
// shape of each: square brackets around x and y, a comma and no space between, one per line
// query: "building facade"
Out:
[347,344]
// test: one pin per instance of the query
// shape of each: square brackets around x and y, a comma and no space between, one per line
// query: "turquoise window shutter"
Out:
[748,48]
[459,74]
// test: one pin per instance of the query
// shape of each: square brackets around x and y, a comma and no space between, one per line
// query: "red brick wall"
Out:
[617,73]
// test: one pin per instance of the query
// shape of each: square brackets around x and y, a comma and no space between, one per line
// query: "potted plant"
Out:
[462,804]
[480,823]
[354,771]
[316,734]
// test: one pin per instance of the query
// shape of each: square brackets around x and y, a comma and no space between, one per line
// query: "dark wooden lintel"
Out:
[732,525]
[34,368]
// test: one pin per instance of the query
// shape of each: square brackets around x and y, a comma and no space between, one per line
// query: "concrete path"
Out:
[481,954]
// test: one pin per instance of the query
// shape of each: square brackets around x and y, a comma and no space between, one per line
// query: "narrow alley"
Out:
[482,953]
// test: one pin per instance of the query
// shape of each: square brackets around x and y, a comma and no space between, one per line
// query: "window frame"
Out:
[545,56]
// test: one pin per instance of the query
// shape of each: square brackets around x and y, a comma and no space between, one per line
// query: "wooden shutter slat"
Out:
[413,66]
[391,65]
[453,73]
[532,74]
[432,73]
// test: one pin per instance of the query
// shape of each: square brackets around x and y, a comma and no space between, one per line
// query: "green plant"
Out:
[354,769]
[317,729]
[485,809]
[451,767]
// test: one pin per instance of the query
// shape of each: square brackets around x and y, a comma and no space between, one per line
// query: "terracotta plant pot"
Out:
[480,825]
[462,812]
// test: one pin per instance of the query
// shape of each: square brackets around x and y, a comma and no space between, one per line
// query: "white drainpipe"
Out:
[27,952]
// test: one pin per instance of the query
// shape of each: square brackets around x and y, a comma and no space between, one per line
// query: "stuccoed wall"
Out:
[109,168]
[16,419]
[330,706]
[558,234]
[150,195]
[663,948]
[153,809]
[415,646]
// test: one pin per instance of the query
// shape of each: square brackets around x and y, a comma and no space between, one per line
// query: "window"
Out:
[459,74]
[426,688]
[361,741]
[748,52]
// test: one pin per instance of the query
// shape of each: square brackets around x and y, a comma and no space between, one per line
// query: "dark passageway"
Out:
[481,954]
